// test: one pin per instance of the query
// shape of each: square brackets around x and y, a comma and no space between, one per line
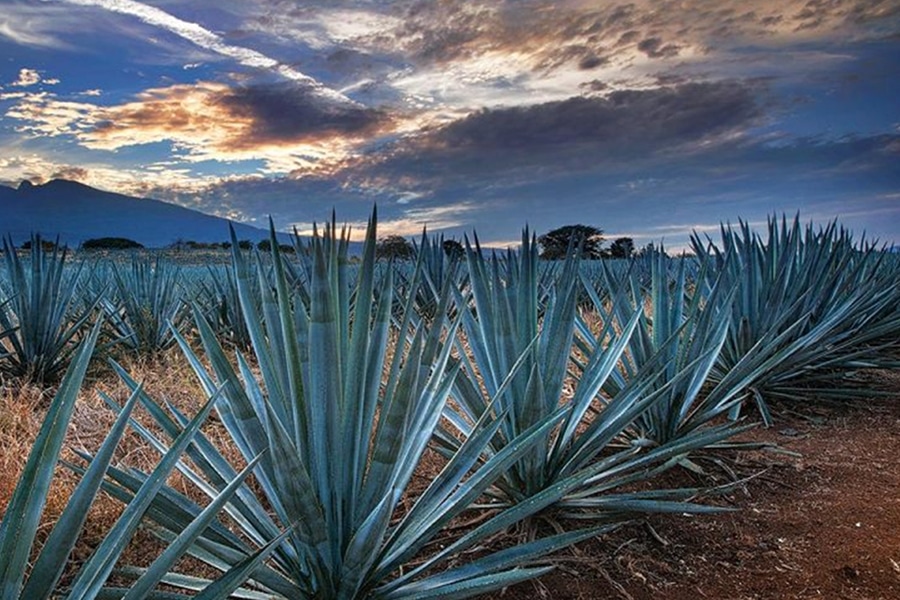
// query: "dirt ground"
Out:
[822,525]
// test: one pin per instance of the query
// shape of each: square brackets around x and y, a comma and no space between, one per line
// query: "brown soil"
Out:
[822,525]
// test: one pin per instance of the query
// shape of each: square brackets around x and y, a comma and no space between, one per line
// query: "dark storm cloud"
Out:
[509,147]
[288,112]
[654,47]
[628,121]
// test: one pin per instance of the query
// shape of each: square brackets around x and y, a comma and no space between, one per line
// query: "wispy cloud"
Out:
[409,223]
[204,38]
[28,26]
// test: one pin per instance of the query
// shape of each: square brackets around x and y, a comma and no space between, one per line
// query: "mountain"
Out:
[76,212]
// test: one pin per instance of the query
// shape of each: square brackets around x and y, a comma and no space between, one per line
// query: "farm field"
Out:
[307,425]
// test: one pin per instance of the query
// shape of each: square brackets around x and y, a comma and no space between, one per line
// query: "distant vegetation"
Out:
[187,245]
[266,246]
[394,247]
[110,243]
[555,244]
[46,245]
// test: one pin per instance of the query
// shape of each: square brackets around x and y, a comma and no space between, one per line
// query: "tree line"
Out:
[554,245]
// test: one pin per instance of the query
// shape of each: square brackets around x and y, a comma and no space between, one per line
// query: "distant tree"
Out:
[46,245]
[649,249]
[226,245]
[245,245]
[180,245]
[287,248]
[622,247]
[110,243]
[192,245]
[453,249]
[394,247]
[264,246]
[555,243]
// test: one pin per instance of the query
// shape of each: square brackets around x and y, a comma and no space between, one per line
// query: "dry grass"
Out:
[166,377]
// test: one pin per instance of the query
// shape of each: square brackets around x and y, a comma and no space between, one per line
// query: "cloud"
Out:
[654,47]
[582,132]
[27,77]
[39,168]
[453,56]
[208,40]
[285,112]
[30,25]
[285,124]
[408,223]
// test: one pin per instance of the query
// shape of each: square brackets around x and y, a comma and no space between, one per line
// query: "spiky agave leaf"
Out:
[43,315]
[341,444]
[148,303]
[679,329]
[22,516]
[810,305]
[520,334]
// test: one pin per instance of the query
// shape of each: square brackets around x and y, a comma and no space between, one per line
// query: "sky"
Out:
[647,119]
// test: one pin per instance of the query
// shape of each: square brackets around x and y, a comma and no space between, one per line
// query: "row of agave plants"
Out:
[554,392]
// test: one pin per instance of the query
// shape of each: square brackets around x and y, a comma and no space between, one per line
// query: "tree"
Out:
[264,246]
[555,244]
[622,247]
[110,243]
[453,249]
[46,245]
[394,247]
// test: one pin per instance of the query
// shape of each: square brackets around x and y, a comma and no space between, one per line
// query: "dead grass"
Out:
[166,377]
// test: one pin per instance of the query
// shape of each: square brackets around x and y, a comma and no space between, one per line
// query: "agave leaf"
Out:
[22,516]
[495,571]
[96,570]
[49,566]
[175,550]
[223,587]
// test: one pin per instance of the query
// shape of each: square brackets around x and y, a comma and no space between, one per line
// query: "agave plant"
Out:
[517,362]
[679,335]
[43,314]
[218,296]
[810,306]
[441,260]
[340,446]
[148,304]
[21,519]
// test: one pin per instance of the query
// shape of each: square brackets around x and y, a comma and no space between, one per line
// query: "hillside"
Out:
[76,212]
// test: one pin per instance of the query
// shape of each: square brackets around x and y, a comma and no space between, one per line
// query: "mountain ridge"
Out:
[76,212]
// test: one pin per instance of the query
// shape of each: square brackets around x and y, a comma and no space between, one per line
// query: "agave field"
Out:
[446,427]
